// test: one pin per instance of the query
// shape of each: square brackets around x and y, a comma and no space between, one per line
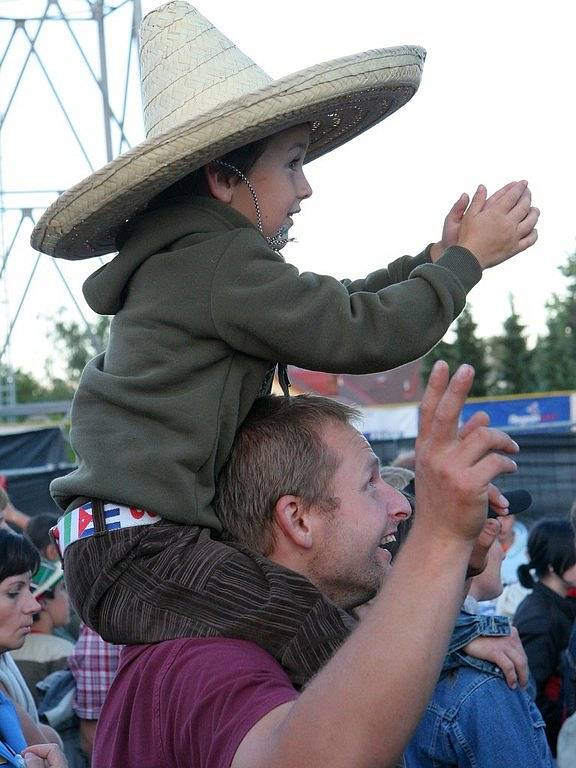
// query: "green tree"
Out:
[442,351]
[466,348]
[511,361]
[555,353]
[77,344]
[29,389]
[469,348]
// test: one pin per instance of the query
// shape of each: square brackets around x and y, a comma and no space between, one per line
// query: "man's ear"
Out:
[294,520]
[220,182]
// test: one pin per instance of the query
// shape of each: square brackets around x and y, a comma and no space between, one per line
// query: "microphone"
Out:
[519,500]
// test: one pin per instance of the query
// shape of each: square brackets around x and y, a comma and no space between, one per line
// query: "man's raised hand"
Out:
[455,468]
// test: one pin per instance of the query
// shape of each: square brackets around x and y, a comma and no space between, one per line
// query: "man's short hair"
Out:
[278,451]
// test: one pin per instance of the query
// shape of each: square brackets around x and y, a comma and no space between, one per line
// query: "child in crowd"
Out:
[473,711]
[205,308]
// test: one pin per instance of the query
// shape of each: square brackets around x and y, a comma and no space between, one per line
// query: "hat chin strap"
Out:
[279,239]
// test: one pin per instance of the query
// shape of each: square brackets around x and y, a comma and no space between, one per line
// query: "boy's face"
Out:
[58,606]
[278,180]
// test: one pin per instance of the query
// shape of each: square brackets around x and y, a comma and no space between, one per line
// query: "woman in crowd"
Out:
[18,561]
[545,617]
[42,651]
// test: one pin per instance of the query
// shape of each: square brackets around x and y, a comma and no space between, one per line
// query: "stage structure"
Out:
[69,103]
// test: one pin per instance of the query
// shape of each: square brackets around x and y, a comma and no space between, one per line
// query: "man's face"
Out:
[348,560]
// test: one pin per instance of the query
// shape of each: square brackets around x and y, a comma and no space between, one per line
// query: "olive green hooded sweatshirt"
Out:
[203,309]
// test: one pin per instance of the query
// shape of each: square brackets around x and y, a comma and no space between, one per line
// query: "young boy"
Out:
[464,716]
[205,307]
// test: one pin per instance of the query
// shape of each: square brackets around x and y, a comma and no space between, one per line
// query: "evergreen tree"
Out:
[471,349]
[442,351]
[466,348]
[555,353]
[511,360]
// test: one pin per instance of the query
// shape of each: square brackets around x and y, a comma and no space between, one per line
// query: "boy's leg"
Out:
[165,581]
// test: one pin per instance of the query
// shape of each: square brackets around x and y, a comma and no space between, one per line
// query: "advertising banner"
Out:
[548,413]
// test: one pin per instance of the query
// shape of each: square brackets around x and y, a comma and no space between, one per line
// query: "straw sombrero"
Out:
[202,98]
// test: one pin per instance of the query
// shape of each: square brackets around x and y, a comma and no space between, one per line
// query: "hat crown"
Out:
[188,67]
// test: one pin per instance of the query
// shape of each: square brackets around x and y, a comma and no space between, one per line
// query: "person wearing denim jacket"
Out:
[468,627]
[474,719]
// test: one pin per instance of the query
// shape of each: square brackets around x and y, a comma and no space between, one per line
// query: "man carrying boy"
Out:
[221,702]
[204,309]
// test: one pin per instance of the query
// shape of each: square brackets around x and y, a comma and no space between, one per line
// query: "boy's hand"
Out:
[506,652]
[451,227]
[479,556]
[455,468]
[497,228]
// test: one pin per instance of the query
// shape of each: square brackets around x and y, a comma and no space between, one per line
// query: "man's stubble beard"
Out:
[347,587]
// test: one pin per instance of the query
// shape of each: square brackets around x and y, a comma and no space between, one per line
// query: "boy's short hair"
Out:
[278,450]
[38,529]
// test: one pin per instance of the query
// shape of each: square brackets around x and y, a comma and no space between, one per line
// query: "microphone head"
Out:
[520,501]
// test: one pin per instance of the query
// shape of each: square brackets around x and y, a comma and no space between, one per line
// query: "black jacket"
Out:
[544,620]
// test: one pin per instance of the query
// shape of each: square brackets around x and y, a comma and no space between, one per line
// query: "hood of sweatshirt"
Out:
[152,233]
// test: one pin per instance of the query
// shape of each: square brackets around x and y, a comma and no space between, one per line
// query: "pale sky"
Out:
[496,103]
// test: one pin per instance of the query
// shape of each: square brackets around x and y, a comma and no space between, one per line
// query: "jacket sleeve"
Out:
[263,307]
[395,272]
[467,628]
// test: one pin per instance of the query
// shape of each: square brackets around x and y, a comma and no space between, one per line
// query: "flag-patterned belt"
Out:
[78,524]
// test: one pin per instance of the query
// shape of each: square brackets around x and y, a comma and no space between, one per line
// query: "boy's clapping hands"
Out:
[493,228]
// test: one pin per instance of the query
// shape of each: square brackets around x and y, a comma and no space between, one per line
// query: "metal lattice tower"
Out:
[69,103]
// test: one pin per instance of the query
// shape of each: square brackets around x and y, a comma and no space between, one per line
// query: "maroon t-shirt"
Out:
[186,703]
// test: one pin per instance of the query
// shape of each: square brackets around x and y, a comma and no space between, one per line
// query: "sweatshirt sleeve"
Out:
[263,307]
[395,272]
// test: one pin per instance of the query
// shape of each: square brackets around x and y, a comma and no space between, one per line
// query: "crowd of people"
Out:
[228,552]
[495,700]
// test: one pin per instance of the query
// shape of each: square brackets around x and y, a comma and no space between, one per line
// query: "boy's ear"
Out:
[220,182]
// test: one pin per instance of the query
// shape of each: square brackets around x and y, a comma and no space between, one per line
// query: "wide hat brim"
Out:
[340,99]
